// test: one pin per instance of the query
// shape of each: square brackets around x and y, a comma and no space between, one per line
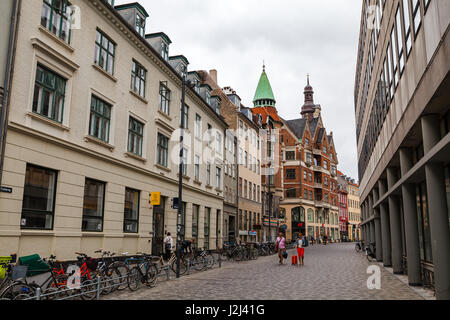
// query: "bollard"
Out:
[168,272]
[220,260]
[98,287]
[38,293]
[188,266]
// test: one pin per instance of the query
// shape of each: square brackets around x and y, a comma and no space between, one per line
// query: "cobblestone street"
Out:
[332,272]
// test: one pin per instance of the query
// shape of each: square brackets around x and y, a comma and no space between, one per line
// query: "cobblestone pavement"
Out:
[331,272]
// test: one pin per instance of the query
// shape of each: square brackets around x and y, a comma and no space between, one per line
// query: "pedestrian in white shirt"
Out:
[168,245]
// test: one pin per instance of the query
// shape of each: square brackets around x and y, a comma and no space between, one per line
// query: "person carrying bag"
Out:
[280,247]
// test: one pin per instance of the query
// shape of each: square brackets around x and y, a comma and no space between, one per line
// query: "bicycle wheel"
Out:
[17,291]
[199,263]
[134,279]
[152,276]
[123,270]
[115,277]
[210,261]
[237,255]
[88,289]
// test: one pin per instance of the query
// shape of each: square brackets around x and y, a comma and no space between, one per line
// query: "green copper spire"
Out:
[264,94]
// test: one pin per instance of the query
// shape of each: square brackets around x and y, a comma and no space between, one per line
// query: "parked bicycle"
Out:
[359,246]
[144,272]
[370,252]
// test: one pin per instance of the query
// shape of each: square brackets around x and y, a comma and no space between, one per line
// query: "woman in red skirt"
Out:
[300,249]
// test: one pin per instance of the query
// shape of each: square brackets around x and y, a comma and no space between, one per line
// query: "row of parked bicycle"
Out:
[250,251]
[368,248]
[88,278]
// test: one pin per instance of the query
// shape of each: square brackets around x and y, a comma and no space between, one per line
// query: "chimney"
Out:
[213,75]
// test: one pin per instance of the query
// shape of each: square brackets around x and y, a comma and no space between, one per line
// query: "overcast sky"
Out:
[293,37]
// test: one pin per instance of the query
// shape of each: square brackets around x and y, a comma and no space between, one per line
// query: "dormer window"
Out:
[183,70]
[215,104]
[140,25]
[205,93]
[179,63]
[165,51]
[135,15]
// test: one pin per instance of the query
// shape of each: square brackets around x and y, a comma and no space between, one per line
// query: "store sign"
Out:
[155,198]
[252,233]
[175,203]
[243,233]
[273,222]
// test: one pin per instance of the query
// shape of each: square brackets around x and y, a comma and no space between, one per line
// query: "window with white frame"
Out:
[49,94]
[197,167]
[105,50]
[219,143]
[55,17]
[198,126]
[164,97]
[138,78]
[218,178]
[135,136]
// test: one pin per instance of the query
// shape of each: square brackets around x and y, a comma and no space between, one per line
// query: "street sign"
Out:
[155,198]
[175,203]
[252,233]
[6,189]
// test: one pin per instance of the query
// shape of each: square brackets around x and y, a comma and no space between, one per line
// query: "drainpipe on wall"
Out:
[9,72]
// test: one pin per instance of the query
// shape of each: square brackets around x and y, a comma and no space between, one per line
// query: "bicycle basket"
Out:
[19,272]
[3,265]
[91,263]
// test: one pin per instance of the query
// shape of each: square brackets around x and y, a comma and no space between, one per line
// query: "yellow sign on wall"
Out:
[155,198]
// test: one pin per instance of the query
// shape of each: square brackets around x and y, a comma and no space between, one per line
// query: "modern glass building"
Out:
[402,99]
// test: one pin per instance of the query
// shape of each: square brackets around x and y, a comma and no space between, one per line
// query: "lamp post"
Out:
[180,174]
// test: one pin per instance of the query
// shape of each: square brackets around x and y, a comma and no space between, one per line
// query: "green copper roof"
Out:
[264,90]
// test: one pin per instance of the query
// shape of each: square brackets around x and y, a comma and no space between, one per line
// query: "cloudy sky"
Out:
[293,37]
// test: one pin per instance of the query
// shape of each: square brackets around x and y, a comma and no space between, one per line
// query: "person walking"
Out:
[300,249]
[168,245]
[280,246]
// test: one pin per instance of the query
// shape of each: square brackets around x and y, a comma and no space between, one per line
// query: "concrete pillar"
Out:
[372,231]
[411,223]
[437,210]
[378,241]
[385,227]
[395,223]
[369,216]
